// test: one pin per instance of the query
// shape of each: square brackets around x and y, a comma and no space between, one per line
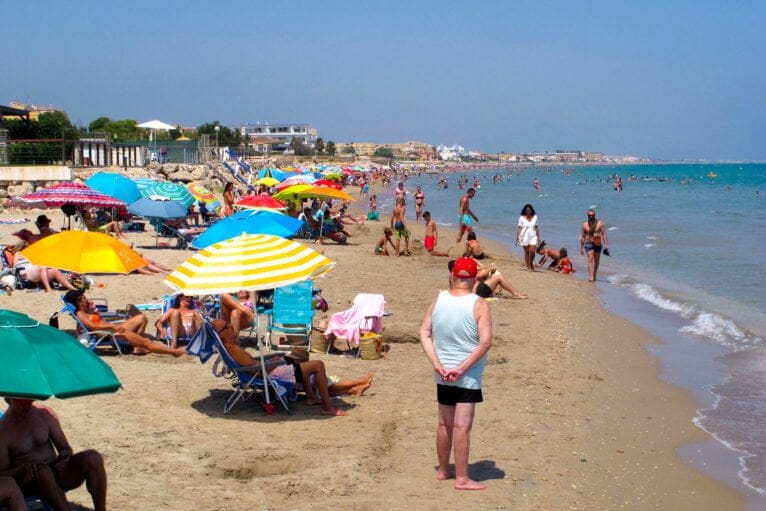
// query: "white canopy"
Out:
[156,125]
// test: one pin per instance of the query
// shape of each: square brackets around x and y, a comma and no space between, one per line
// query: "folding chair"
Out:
[291,315]
[166,333]
[250,379]
[364,317]
[91,338]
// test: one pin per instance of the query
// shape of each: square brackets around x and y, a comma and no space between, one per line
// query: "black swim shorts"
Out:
[450,395]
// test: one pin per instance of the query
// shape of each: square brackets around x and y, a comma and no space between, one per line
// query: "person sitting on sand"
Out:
[91,222]
[183,318]
[35,452]
[130,330]
[299,369]
[564,265]
[237,310]
[473,247]
[431,237]
[490,280]
[382,247]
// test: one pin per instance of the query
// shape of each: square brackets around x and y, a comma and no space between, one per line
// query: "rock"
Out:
[20,189]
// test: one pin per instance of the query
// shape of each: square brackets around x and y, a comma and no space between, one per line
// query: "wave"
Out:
[702,323]
[649,245]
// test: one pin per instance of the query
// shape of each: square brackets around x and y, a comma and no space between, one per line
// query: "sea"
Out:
[685,243]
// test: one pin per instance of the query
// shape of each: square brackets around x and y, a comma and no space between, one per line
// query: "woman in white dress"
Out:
[528,234]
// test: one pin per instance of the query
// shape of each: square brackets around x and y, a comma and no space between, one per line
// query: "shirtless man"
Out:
[420,202]
[35,452]
[592,241]
[400,194]
[399,225]
[432,233]
[466,214]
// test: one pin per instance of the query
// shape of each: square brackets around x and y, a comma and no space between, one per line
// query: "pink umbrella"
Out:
[329,183]
[69,193]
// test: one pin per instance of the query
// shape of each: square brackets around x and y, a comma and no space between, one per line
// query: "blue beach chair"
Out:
[291,315]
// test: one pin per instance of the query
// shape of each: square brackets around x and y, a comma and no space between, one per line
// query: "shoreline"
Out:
[575,415]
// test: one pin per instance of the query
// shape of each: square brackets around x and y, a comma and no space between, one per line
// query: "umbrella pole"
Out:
[266,377]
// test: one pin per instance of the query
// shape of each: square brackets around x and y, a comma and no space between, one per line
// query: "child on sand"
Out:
[432,233]
[381,248]
[564,265]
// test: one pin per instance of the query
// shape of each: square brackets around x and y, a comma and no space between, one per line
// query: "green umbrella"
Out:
[38,361]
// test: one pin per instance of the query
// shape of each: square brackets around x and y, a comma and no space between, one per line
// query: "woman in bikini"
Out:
[183,319]
[592,241]
[228,199]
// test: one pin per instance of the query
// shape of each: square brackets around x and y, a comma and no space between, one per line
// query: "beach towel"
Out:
[365,314]
[202,343]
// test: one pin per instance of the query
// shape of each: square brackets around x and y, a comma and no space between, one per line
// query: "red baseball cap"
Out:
[465,268]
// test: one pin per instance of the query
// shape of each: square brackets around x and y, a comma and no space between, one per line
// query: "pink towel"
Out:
[366,314]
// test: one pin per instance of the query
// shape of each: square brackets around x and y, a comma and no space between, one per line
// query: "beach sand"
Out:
[574,415]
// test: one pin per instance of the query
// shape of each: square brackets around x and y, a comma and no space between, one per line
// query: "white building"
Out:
[454,152]
[279,136]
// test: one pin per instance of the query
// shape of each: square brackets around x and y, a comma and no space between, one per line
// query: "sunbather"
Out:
[183,319]
[298,369]
[37,274]
[131,330]
[237,310]
[91,222]
[152,267]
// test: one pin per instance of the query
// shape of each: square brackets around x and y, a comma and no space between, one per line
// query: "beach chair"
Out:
[364,317]
[90,338]
[249,379]
[291,316]
[167,333]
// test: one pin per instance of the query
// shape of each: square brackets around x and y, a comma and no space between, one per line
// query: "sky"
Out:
[658,79]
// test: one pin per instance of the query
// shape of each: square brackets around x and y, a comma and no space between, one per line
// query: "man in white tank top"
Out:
[456,335]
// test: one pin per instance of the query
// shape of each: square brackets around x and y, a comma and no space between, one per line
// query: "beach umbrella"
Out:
[321,192]
[84,252]
[69,193]
[38,361]
[168,190]
[203,194]
[267,181]
[304,179]
[143,182]
[329,183]
[114,185]
[249,222]
[158,208]
[249,261]
[264,202]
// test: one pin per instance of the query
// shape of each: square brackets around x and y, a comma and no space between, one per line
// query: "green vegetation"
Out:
[383,152]
[330,148]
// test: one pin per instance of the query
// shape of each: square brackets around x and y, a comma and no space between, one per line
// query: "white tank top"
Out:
[456,336]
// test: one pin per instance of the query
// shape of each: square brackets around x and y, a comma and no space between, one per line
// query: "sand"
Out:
[574,415]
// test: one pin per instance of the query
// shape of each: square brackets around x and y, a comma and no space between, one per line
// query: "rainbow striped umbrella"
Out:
[203,194]
[69,193]
[249,261]
[261,202]
[168,190]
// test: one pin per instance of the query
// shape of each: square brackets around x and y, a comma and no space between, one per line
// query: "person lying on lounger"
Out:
[299,369]
[131,330]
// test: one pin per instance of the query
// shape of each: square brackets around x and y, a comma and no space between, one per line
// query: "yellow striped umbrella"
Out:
[249,261]
[267,181]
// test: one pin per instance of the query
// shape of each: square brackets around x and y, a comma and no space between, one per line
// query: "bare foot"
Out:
[520,296]
[313,402]
[332,411]
[178,352]
[443,475]
[469,484]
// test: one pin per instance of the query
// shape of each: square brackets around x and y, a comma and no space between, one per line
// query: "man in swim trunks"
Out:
[592,241]
[399,225]
[466,214]
[432,233]
[456,335]
[400,194]
[420,202]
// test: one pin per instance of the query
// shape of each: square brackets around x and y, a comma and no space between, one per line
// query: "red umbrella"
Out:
[329,183]
[69,193]
[261,202]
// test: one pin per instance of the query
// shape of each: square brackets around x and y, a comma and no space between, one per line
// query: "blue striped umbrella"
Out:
[248,222]
[171,191]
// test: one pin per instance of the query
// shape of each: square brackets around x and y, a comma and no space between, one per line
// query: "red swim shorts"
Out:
[430,243]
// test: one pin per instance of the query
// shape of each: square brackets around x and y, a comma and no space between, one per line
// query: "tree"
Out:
[383,152]
[348,149]
[319,145]
[54,124]
[331,150]
[299,148]
[226,136]
[100,124]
